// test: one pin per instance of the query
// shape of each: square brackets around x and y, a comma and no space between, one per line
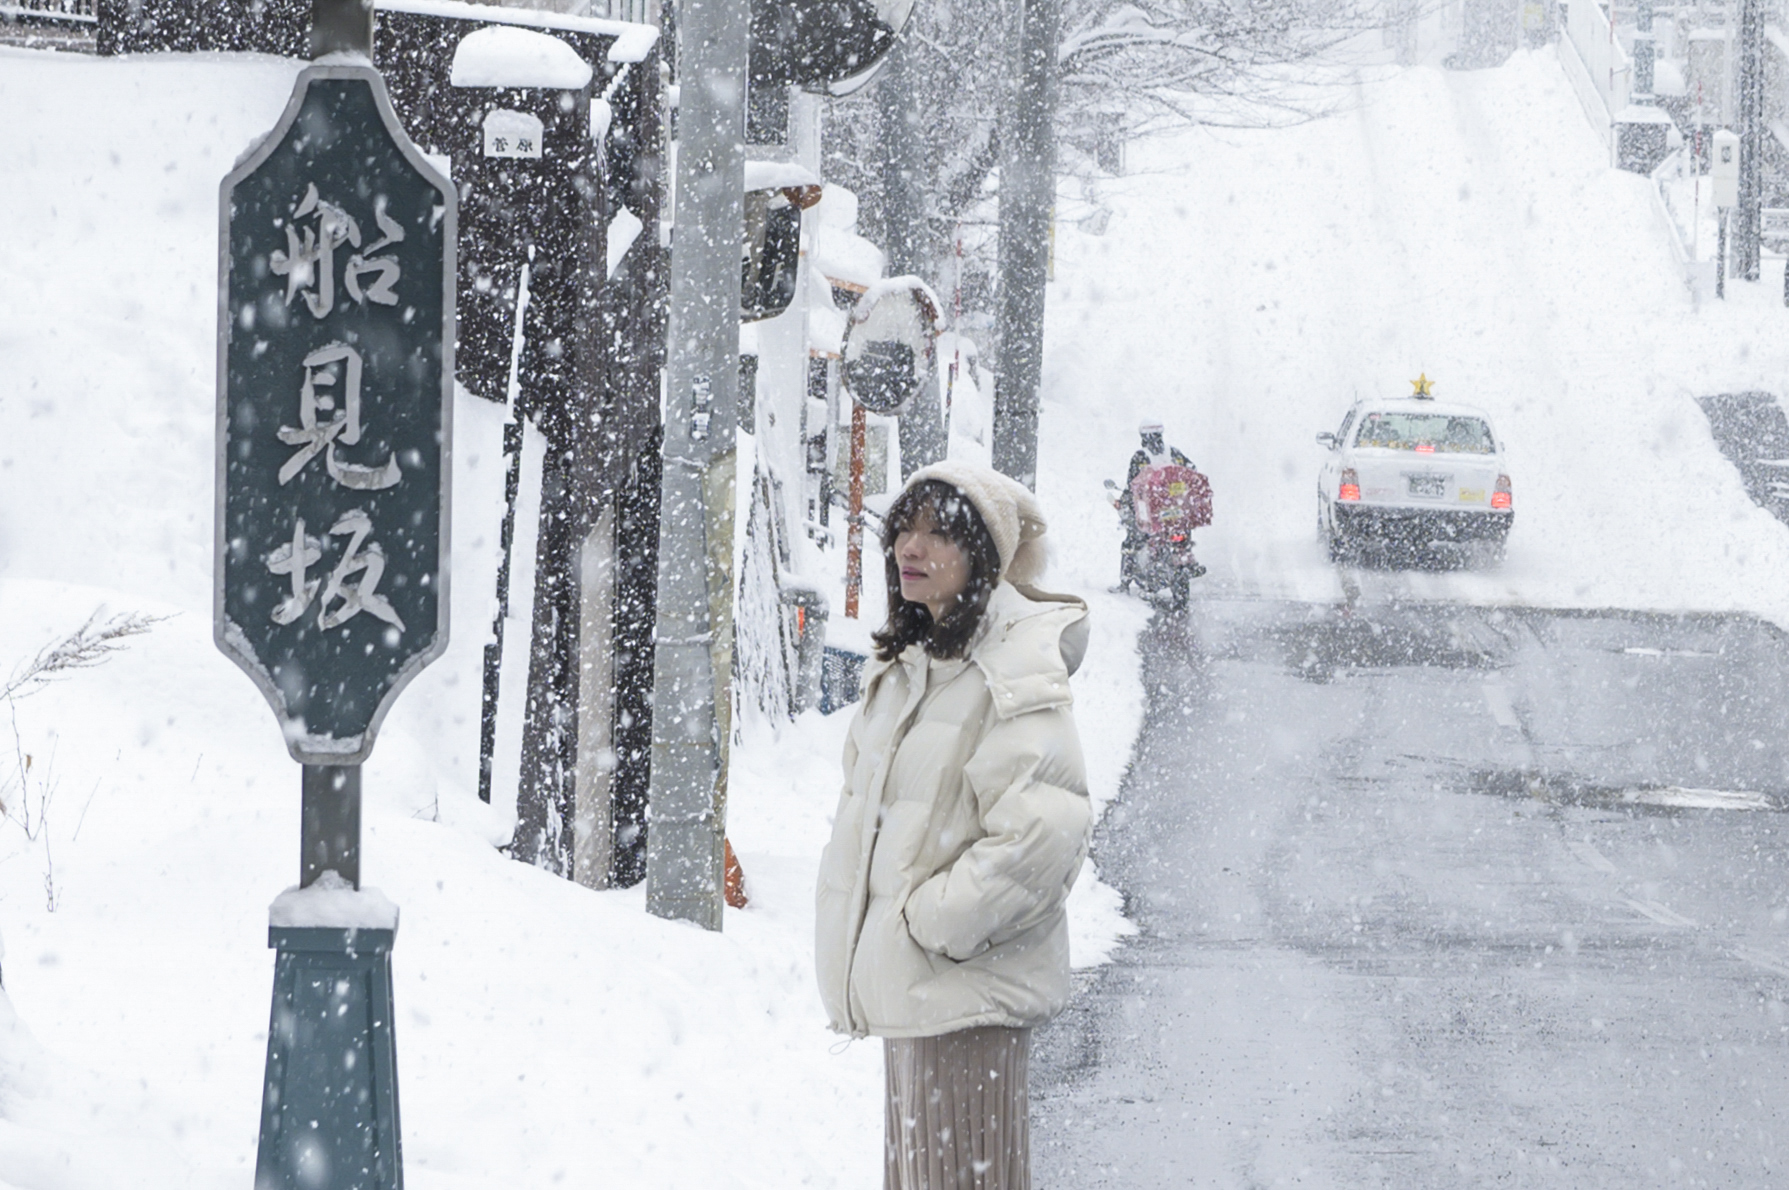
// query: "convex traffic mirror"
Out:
[833,46]
[889,345]
[770,256]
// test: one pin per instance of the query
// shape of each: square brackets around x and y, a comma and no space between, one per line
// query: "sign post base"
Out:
[329,1105]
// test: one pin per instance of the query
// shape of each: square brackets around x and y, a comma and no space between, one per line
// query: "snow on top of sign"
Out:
[332,903]
[632,42]
[777,175]
[847,257]
[503,56]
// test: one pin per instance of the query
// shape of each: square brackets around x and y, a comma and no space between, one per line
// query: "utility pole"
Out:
[1027,196]
[1750,213]
[905,232]
[687,817]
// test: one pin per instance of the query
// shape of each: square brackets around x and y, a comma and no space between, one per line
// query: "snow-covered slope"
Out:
[1466,225]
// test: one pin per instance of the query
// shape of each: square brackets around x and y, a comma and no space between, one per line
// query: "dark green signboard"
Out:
[335,388]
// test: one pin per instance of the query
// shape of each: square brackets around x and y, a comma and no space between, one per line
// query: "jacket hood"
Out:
[1029,643]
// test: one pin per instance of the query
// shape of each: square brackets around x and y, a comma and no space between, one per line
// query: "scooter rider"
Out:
[1152,453]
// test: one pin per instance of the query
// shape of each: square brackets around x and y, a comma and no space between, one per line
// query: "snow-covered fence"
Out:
[1597,63]
[1687,212]
[79,12]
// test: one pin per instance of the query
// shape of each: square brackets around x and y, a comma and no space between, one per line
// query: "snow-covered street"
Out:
[1440,895]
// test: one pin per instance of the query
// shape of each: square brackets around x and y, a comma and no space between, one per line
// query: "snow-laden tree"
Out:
[1125,68]
[1157,63]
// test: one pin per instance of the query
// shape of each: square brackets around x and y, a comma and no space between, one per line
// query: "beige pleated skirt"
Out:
[959,1116]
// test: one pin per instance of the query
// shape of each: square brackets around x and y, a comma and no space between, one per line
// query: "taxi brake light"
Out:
[1501,497]
[1425,448]
[1350,489]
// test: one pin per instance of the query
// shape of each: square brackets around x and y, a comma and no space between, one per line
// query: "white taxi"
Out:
[1413,472]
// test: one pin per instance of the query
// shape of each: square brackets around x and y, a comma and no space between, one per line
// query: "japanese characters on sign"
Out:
[334,391]
[512,134]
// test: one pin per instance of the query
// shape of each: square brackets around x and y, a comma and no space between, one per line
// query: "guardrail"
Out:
[1600,68]
[1684,221]
[1692,223]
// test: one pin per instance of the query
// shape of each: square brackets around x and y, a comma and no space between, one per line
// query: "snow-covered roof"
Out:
[1635,113]
[505,56]
[632,42]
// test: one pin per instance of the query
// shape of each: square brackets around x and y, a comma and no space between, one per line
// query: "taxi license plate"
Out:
[1431,486]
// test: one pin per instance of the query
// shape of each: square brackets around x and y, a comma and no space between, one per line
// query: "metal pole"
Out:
[1720,256]
[854,519]
[1027,194]
[329,837]
[341,27]
[1751,139]
[686,821]
[906,232]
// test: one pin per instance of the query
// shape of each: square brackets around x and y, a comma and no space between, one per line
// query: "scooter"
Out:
[1168,502]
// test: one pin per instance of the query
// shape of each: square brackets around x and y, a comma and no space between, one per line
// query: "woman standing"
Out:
[963,823]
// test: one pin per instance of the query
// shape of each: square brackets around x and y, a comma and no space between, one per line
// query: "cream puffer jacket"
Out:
[962,826]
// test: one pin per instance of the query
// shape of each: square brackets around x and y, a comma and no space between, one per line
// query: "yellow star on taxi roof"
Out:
[1423,386]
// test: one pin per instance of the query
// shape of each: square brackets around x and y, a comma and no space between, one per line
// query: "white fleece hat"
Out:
[1007,507]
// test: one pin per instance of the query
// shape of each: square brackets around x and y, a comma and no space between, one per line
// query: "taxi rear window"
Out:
[1439,433]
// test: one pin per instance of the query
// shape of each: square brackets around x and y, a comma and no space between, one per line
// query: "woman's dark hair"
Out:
[909,623]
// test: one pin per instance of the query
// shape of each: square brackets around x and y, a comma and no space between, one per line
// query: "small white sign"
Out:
[512,134]
[1723,168]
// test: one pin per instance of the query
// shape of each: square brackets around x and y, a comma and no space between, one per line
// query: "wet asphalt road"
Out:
[1425,901]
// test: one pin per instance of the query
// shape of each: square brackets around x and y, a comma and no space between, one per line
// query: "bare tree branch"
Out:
[89,645]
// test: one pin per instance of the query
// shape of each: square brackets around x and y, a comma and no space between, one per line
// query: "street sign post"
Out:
[1723,173]
[335,387]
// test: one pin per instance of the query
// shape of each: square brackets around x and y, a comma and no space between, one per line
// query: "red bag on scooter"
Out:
[1171,498]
